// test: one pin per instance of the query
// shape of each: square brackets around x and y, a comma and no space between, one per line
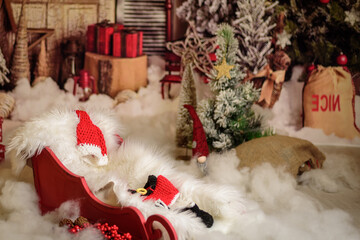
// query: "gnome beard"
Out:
[201,158]
[202,165]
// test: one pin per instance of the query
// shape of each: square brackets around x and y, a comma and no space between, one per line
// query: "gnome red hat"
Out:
[161,190]
[90,140]
[201,148]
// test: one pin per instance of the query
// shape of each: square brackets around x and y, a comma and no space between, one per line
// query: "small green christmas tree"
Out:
[321,31]
[227,118]
[187,96]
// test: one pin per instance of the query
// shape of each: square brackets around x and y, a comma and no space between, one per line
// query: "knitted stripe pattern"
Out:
[199,136]
[164,191]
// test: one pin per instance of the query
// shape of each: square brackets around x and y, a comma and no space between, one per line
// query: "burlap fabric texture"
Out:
[328,102]
[294,154]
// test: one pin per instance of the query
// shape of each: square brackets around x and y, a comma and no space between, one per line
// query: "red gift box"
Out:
[117,44]
[128,44]
[131,44]
[99,36]
[140,40]
[103,39]
[106,38]
[90,38]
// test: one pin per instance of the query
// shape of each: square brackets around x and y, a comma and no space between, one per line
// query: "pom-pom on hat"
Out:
[90,140]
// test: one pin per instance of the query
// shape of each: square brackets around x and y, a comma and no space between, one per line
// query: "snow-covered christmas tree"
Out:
[207,14]
[253,28]
[187,97]
[228,118]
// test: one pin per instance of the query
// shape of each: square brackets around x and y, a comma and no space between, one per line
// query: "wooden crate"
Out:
[113,74]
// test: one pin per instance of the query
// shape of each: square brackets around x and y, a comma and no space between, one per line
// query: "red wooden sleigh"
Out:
[55,184]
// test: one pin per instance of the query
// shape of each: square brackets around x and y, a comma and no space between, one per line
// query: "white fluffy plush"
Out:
[129,166]
[324,206]
[57,130]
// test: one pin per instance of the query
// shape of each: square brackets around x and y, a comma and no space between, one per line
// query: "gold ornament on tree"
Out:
[41,69]
[20,67]
[223,69]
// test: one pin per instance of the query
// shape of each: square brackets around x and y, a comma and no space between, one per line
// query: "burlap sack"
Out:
[328,102]
[296,155]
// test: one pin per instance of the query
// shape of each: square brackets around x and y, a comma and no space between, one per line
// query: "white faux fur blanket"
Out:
[128,168]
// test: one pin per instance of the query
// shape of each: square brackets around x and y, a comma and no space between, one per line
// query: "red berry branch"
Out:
[109,232]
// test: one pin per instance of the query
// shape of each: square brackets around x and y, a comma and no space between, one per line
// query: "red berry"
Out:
[325,1]
[342,59]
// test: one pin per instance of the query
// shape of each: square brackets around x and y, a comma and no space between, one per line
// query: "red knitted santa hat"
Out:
[199,137]
[90,140]
[164,191]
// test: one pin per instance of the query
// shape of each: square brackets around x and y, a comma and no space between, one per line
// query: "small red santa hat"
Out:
[164,192]
[201,148]
[90,140]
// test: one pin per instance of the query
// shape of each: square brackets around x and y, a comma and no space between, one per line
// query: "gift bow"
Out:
[268,78]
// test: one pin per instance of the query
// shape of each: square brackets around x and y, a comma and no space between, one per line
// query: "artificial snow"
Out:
[321,204]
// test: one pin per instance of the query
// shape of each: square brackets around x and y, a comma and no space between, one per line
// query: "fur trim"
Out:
[57,130]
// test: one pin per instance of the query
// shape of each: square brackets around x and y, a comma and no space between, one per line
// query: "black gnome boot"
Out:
[150,184]
[205,217]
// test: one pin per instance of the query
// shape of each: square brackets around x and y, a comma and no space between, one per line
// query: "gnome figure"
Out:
[200,147]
